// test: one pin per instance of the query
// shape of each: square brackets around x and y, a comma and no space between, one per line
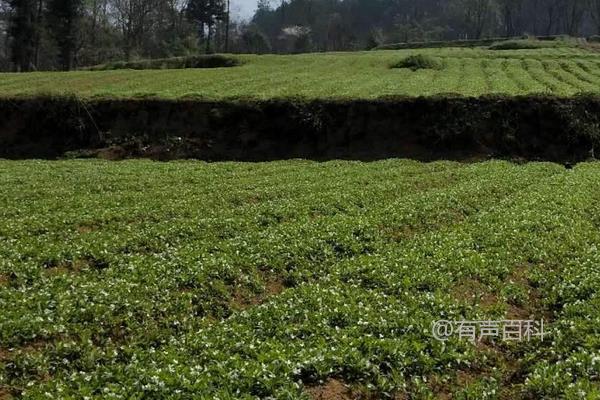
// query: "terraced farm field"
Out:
[297,279]
[365,75]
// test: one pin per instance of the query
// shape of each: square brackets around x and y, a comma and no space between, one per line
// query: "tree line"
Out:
[65,34]
[304,25]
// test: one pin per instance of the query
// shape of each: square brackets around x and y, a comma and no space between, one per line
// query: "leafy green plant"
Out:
[533,43]
[172,278]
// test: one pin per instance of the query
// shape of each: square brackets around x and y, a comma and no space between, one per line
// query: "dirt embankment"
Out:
[533,128]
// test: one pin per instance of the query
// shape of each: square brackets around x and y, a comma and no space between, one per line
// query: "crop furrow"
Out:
[478,195]
[354,321]
[579,74]
[512,77]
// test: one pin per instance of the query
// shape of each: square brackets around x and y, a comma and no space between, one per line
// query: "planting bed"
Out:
[294,279]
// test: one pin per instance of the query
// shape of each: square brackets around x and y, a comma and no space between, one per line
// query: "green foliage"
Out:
[255,41]
[473,43]
[65,20]
[560,71]
[439,44]
[532,43]
[200,61]
[23,31]
[187,279]
[518,45]
[418,61]
[206,14]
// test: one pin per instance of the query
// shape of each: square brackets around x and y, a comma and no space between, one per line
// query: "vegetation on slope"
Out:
[543,41]
[533,43]
[201,61]
[175,280]
[365,75]
[417,62]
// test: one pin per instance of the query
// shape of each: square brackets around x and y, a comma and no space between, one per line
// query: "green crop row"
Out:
[193,280]
[361,75]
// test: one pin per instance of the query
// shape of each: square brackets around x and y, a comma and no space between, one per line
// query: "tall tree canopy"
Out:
[356,24]
[64,24]
[24,31]
[205,14]
[65,34]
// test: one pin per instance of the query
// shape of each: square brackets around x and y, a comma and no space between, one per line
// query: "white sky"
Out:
[243,8]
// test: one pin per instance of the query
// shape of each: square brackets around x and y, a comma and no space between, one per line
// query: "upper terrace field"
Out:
[361,75]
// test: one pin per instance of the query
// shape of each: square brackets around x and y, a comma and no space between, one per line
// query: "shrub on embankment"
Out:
[418,61]
[534,127]
[533,43]
[527,41]
[200,61]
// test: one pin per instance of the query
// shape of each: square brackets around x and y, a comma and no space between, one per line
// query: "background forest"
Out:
[66,34]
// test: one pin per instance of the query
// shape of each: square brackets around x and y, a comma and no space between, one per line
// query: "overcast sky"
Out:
[243,8]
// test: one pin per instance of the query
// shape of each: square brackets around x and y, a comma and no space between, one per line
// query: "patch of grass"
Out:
[417,62]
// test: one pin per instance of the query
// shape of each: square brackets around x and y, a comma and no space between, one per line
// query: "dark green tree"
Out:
[255,41]
[64,17]
[205,14]
[23,32]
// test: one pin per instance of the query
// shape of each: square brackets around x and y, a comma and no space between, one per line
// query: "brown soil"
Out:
[332,390]
[113,153]
[5,394]
[533,307]
[85,228]
[66,267]
[473,292]
[530,128]
[499,356]
[274,287]
[243,299]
